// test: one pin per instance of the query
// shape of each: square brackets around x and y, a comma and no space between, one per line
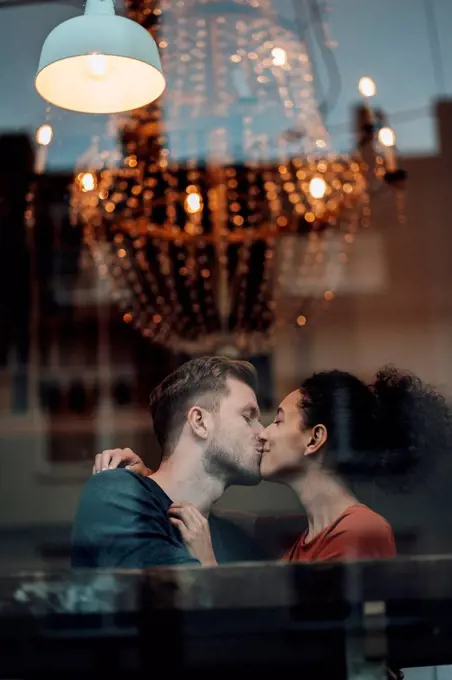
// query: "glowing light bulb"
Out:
[193,203]
[317,187]
[279,56]
[367,87]
[44,135]
[386,136]
[97,65]
[87,181]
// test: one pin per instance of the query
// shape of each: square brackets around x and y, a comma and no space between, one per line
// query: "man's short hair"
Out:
[200,381]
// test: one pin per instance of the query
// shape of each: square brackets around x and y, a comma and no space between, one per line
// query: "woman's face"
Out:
[286,441]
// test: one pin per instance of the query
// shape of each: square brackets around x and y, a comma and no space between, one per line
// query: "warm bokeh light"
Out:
[87,181]
[279,56]
[386,136]
[317,187]
[328,295]
[367,87]
[193,203]
[44,135]
[302,320]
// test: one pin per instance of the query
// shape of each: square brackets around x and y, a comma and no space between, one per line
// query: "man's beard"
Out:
[222,461]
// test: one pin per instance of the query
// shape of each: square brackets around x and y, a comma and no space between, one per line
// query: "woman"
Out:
[332,431]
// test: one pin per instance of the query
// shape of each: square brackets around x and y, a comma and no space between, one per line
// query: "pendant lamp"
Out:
[100,63]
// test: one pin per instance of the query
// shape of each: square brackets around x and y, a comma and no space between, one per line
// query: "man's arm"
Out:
[120,523]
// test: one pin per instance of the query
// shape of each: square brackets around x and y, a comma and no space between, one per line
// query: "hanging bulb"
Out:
[44,135]
[386,137]
[367,87]
[100,63]
[97,65]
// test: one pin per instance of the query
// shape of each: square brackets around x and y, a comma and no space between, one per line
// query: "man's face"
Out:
[235,449]
[285,441]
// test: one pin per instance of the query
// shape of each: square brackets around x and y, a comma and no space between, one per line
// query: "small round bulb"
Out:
[367,87]
[97,65]
[386,136]
[44,135]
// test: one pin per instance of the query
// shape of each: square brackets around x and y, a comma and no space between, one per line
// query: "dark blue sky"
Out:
[385,39]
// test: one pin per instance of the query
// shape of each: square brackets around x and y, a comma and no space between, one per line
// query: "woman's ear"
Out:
[199,421]
[319,436]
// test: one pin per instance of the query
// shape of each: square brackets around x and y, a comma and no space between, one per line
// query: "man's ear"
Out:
[319,436]
[199,421]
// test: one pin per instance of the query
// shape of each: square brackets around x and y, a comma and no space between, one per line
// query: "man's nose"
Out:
[262,434]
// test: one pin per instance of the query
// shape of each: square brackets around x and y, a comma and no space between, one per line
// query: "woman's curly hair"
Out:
[392,428]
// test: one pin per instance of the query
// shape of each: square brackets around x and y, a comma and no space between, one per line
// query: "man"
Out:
[207,422]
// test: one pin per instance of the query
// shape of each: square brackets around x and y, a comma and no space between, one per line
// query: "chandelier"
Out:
[187,219]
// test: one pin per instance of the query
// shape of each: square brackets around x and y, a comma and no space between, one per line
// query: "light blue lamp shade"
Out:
[100,63]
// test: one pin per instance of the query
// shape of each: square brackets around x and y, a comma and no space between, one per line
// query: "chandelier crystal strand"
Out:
[151,308]
[283,259]
[169,170]
[193,205]
[267,287]
[169,315]
[202,256]
[240,279]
